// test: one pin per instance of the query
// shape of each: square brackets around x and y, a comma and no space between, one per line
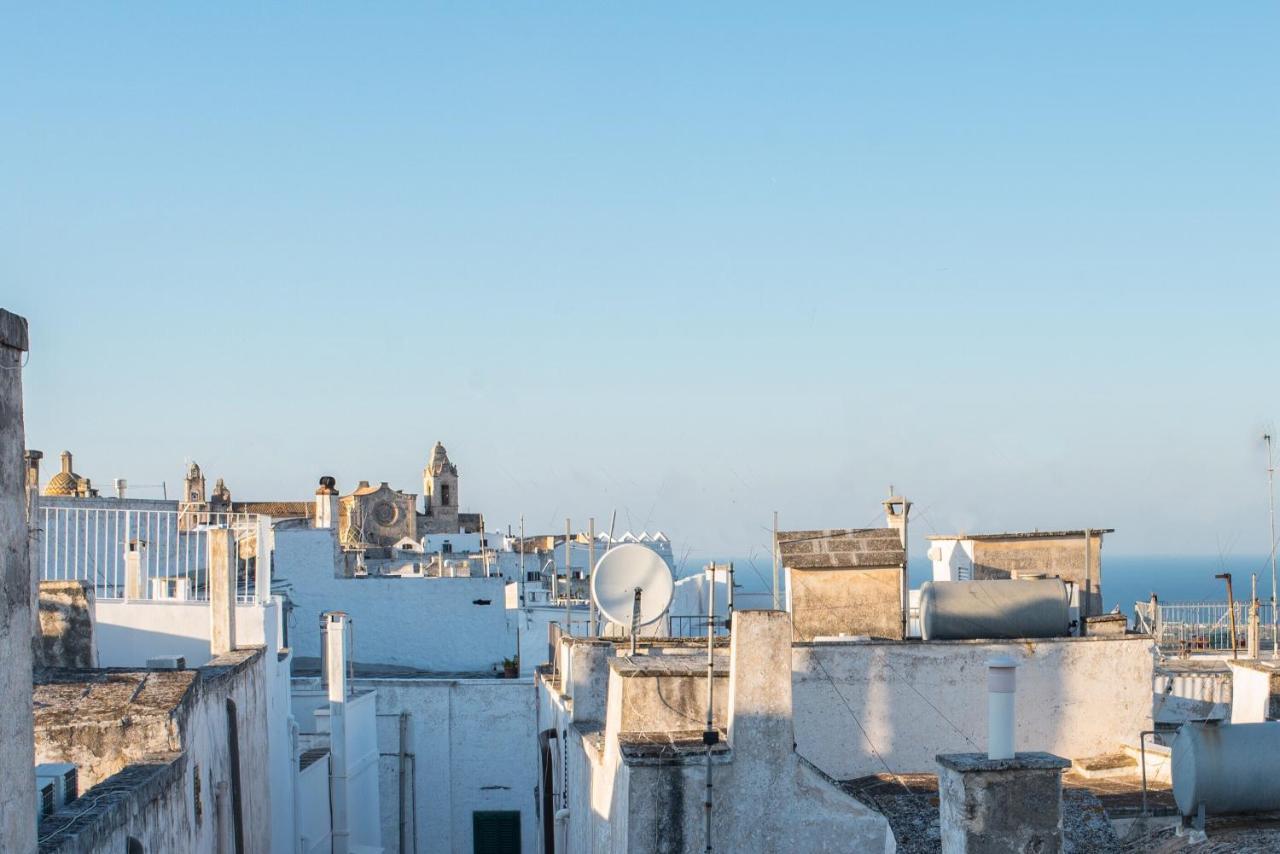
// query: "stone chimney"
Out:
[33,459]
[896,511]
[222,590]
[326,515]
[66,462]
[135,570]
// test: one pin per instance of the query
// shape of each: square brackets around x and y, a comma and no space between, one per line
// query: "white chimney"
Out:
[135,570]
[336,663]
[326,515]
[121,484]
[1001,684]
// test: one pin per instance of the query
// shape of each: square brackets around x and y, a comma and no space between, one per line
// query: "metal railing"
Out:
[1187,628]
[95,544]
[695,626]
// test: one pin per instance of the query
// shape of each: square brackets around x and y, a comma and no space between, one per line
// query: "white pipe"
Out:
[1001,685]
[562,829]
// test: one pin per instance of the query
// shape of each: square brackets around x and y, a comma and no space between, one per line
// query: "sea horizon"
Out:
[1126,578]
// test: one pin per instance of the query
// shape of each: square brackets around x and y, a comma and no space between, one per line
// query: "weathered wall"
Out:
[471,745]
[652,801]
[435,624]
[65,638]
[1061,556]
[830,602]
[149,802]
[17,795]
[150,791]
[1076,697]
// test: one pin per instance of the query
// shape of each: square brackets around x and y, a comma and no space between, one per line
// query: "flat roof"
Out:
[1022,535]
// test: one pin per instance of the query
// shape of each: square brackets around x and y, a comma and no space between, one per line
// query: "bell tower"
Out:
[193,486]
[440,490]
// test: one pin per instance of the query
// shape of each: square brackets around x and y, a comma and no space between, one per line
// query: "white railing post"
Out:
[262,571]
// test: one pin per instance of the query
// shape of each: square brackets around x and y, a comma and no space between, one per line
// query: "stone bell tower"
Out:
[440,489]
[193,486]
[192,500]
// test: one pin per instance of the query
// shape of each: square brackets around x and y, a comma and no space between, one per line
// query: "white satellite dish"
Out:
[617,575]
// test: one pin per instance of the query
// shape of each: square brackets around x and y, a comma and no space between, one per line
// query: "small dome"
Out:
[62,483]
[65,482]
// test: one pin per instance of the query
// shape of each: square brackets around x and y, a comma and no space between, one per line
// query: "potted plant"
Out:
[511,667]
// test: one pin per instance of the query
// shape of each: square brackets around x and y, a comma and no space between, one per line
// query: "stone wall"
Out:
[143,739]
[1060,556]
[17,794]
[65,638]
[832,602]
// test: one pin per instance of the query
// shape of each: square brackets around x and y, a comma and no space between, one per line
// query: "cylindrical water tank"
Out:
[1229,768]
[970,610]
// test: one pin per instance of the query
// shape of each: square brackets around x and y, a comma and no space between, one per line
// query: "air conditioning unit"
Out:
[44,801]
[61,777]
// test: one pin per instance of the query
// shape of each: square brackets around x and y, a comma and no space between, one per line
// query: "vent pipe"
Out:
[1001,684]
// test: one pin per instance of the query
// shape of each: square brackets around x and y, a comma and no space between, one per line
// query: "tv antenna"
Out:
[632,585]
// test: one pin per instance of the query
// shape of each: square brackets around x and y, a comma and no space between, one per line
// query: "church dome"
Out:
[65,482]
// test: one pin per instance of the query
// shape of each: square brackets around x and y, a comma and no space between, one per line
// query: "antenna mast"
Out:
[1271,497]
[710,735]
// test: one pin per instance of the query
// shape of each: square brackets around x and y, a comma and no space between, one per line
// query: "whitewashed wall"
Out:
[433,624]
[474,747]
[362,765]
[1076,697]
[126,634]
[313,808]
[949,557]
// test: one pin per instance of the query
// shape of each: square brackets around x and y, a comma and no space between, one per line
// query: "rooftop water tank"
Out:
[1228,768]
[972,610]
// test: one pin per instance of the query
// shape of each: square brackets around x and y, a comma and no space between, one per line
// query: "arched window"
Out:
[133,846]
[444,495]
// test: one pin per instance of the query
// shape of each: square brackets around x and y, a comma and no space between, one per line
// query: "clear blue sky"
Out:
[697,262]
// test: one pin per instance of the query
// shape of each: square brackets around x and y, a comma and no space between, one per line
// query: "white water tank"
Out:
[973,610]
[1230,768]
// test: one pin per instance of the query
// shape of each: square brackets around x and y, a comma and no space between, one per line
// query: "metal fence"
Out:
[94,544]
[695,626]
[1187,628]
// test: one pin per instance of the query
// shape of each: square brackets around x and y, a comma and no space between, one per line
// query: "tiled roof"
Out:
[841,548]
[275,509]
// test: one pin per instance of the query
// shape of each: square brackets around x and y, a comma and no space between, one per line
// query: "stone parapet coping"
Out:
[967,763]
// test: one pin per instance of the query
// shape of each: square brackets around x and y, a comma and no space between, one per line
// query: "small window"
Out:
[444,495]
[496,832]
[446,547]
[133,846]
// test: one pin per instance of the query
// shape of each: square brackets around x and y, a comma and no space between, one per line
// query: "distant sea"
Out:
[1126,579]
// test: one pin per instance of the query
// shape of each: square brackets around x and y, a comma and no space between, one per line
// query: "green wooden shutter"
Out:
[496,832]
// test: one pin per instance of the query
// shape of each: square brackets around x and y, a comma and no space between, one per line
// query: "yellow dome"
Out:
[62,483]
[65,482]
